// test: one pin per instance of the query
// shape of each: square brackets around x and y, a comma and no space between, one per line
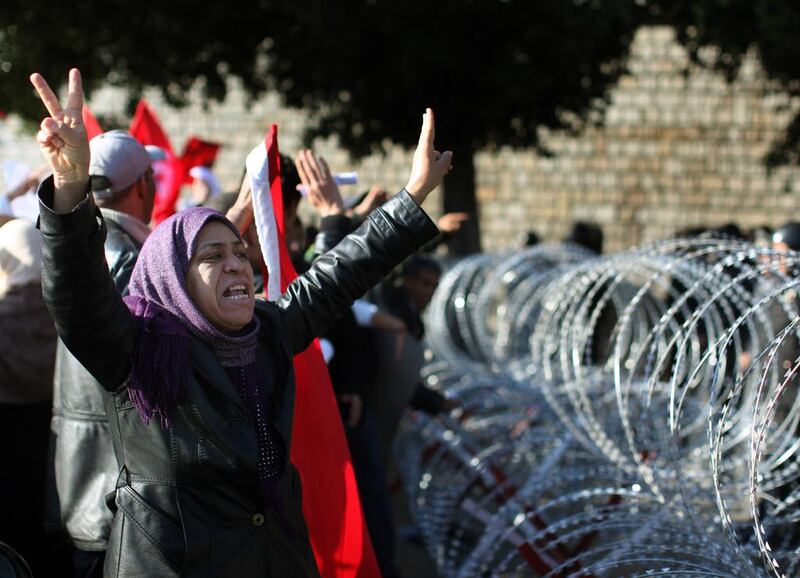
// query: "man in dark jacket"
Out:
[406,297]
[83,467]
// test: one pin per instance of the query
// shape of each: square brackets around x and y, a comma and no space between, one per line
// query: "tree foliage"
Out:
[169,45]
[509,66]
[495,71]
[735,27]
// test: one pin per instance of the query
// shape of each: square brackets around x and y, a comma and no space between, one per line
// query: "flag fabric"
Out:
[331,504]
[197,153]
[266,224]
[146,128]
[90,123]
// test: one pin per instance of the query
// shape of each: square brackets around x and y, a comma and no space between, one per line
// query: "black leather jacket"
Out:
[187,502]
[82,468]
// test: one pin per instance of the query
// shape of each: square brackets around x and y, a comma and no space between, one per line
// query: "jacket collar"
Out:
[203,360]
[131,225]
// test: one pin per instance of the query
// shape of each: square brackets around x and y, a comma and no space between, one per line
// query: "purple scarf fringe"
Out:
[159,372]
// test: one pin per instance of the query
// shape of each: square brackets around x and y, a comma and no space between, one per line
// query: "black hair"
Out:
[528,239]
[99,182]
[587,235]
[730,231]
[418,264]
[789,233]
[289,181]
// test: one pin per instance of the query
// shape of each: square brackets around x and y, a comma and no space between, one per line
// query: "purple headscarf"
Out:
[167,316]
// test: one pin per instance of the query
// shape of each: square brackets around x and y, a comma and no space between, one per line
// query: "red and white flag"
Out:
[331,504]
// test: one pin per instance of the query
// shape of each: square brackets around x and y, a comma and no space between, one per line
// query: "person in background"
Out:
[399,386]
[205,186]
[528,239]
[586,235]
[760,236]
[27,358]
[357,208]
[787,238]
[25,185]
[408,296]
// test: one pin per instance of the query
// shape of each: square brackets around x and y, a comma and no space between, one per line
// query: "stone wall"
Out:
[679,147]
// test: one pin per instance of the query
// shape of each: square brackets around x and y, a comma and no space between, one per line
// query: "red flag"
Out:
[146,128]
[331,504]
[197,152]
[90,123]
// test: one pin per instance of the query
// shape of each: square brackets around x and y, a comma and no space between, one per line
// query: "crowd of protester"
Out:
[97,401]
[65,480]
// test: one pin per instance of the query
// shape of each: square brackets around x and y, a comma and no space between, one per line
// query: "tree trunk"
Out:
[459,196]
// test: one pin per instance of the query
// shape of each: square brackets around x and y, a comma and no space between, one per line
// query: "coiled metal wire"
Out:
[629,415]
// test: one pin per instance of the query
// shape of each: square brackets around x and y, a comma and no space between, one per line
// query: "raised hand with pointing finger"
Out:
[63,141]
[429,165]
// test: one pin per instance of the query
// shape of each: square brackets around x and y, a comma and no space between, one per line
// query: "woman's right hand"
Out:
[63,141]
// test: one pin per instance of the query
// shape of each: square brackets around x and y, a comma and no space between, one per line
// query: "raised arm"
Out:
[63,142]
[388,236]
[429,166]
[88,312]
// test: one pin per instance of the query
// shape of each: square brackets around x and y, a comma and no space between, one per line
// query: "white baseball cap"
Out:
[120,160]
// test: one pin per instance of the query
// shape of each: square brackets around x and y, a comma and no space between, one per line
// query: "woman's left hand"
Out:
[429,166]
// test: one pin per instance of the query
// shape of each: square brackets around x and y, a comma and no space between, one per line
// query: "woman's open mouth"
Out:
[236,292]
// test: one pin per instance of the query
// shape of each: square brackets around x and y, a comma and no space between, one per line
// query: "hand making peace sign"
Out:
[63,141]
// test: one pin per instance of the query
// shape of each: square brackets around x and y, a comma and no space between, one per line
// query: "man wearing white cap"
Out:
[83,468]
[122,181]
